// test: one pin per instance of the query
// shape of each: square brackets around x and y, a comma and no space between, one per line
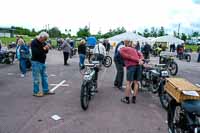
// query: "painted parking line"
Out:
[58,85]
[11,74]
[63,85]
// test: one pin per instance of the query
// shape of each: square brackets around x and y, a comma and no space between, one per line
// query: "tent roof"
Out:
[128,36]
[169,39]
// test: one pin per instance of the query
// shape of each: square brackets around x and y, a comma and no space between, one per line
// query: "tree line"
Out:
[85,32]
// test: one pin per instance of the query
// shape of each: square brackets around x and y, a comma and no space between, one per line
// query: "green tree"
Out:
[33,32]
[153,32]
[146,33]
[83,32]
[161,31]
[183,36]
[195,34]
[54,32]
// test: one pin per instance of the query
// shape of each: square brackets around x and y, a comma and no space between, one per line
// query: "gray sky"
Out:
[101,14]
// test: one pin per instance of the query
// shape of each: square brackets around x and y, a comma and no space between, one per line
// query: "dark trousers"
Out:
[198,60]
[146,55]
[66,56]
[120,74]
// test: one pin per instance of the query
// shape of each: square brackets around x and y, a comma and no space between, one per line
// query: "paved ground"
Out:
[20,112]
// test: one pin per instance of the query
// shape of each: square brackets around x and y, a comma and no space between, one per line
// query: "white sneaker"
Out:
[22,75]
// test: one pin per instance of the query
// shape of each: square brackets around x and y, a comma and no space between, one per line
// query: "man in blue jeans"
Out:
[39,50]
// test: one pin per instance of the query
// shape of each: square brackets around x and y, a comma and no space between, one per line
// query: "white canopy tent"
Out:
[168,39]
[128,36]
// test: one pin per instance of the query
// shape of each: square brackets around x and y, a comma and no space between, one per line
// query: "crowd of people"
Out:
[127,54]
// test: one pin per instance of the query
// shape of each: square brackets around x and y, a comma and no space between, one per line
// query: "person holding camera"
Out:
[39,49]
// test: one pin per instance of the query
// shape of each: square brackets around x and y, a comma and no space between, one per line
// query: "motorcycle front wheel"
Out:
[84,97]
[173,68]
[10,58]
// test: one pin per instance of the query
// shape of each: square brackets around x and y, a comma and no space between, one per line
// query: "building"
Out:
[6,32]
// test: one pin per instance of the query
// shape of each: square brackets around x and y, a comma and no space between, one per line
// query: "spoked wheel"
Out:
[10,58]
[163,96]
[107,61]
[92,58]
[173,68]
[85,96]
[154,88]
[174,119]
[188,58]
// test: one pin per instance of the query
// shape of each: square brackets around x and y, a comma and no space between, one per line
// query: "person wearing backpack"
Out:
[119,64]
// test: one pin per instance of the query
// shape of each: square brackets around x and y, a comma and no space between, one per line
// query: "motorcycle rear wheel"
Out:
[188,58]
[107,61]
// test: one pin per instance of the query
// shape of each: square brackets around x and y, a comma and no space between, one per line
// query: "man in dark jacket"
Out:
[39,50]
[119,63]
[106,44]
[146,51]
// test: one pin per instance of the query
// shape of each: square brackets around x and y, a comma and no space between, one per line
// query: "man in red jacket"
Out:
[132,59]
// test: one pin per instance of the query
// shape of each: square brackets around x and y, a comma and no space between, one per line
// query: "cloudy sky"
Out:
[101,14]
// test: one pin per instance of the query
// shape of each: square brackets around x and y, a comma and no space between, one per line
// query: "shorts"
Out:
[134,73]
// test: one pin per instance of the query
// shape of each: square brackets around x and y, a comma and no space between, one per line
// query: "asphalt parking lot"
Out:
[20,112]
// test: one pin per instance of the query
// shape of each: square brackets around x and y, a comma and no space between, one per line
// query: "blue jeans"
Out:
[82,59]
[22,65]
[198,59]
[39,70]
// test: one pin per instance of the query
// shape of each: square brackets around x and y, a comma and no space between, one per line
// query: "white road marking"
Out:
[10,73]
[52,75]
[58,85]
[64,85]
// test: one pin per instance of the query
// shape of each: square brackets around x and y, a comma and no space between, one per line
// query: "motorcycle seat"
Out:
[192,106]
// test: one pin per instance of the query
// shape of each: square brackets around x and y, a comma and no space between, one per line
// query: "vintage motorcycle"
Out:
[184,117]
[153,76]
[186,56]
[7,57]
[106,61]
[89,85]
[170,62]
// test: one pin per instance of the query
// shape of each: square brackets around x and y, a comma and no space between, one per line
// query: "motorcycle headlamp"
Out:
[87,77]
[164,73]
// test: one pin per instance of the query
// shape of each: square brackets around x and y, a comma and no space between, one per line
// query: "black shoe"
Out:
[115,84]
[125,100]
[134,99]
[121,88]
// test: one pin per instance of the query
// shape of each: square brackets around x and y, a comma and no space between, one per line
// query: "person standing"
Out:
[146,51]
[137,47]
[132,60]
[82,53]
[107,46]
[99,52]
[198,50]
[119,64]
[23,54]
[66,50]
[39,49]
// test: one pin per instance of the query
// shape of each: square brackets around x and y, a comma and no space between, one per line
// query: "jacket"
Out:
[38,53]
[117,56]
[130,56]
[66,47]
[99,49]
